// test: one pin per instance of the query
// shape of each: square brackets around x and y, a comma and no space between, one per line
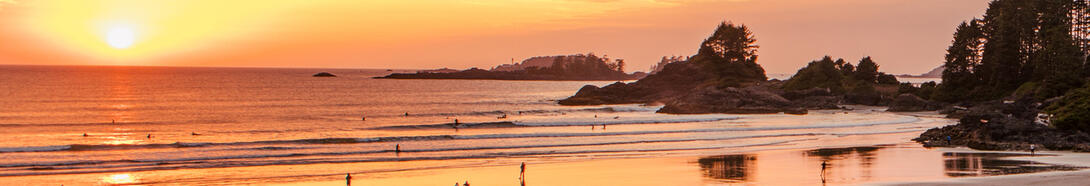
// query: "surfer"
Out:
[1032,149]
[84,134]
[348,179]
[397,148]
[149,136]
[194,133]
[406,114]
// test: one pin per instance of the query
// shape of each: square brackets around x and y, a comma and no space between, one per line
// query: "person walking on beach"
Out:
[522,172]
[348,179]
[1032,149]
[824,165]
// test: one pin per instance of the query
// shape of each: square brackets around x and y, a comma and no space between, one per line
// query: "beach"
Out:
[229,126]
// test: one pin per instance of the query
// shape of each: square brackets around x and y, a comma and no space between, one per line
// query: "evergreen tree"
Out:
[866,70]
[1055,64]
[731,54]
[962,57]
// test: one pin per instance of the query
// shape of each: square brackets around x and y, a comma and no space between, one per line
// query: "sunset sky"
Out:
[904,36]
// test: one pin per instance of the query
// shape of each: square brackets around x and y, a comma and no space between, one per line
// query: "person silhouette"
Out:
[397,148]
[84,134]
[824,165]
[522,172]
[149,136]
[1032,149]
[348,179]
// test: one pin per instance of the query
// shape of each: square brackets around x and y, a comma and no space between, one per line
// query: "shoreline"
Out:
[739,169]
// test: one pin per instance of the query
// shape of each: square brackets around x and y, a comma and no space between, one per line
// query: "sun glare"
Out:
[120,37]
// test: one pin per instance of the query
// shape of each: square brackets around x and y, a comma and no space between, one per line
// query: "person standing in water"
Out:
[397,148]
[1032,149]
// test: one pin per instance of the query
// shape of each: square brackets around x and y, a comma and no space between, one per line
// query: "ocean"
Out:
[147,125]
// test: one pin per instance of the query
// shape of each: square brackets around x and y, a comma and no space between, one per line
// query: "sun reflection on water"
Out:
[120,179]
[122,140]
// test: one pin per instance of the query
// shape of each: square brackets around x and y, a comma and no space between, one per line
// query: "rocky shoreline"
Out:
[1003,125]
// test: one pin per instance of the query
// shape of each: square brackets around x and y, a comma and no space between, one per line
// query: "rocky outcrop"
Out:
[616,93]
[1002,126]
[912,103]
[731,100]
[814,98]
[677,79]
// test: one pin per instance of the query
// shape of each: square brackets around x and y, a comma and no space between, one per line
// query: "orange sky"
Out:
[904,36]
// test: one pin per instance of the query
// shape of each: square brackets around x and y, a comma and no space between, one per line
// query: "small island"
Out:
[578,67]
[324,74]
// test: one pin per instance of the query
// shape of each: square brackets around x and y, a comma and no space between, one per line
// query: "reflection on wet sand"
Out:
[728,168]
[862,164]
[987,164]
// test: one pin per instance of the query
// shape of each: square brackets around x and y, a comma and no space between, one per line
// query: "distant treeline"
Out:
[566,67]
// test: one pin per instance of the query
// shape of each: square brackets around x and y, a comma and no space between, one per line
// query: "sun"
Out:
[120,37]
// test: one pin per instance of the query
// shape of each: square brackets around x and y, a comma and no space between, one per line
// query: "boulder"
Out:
[731,100]
[912,103]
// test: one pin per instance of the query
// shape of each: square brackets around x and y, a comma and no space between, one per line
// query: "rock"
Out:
[676,79]
[814,98]
[324,74]
[912,103]
[731,100]
[866,98]
[616,93]
[998,126]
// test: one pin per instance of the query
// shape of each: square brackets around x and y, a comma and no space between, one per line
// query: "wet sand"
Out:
[899,164]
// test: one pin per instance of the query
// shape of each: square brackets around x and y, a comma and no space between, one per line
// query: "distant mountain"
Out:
[934,73]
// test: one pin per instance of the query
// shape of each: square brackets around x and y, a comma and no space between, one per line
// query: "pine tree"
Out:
[731,54]
[962,57]
[866,70]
